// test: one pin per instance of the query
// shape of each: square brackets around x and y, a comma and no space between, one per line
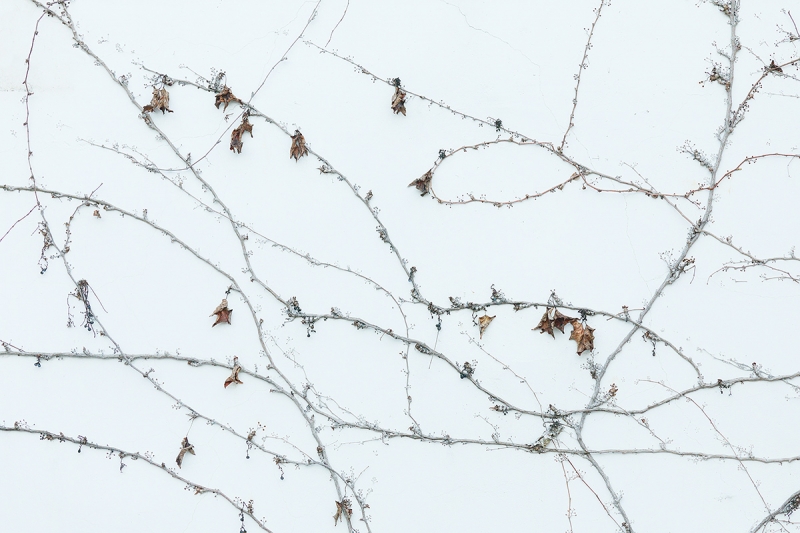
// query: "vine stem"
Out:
[581,68]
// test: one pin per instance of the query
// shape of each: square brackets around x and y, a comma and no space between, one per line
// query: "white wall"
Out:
[699,249]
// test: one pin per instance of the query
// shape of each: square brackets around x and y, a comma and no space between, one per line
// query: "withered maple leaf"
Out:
[223,313]
[424,183]
[234,377]
[338,514]
[298,148]
[225,97]
[160,101]
[185,447]
[236,135]
[553,318]
[342,507]
[399,101]
[484,321]
[583,335]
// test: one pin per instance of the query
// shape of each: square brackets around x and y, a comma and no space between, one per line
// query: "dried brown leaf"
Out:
[338,514]
[225,97]
[553,318]
[583,335]
[484,321]
[185,447]
[423,184]
[399,101]
[342,507]
[773,67]
[234,377]
[298,148]
[236,135]
[542,443]
[223,313]
[160,101]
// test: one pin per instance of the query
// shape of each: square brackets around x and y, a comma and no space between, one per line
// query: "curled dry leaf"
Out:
[484,321]
[342,507]
[399,101]
[185,447]
[160,101]
[583,335]
[236,135]
[225,97]
[423,184]
[773,67]
[223,313]
[553,318]
[542,443]
[234,377]
[298,148]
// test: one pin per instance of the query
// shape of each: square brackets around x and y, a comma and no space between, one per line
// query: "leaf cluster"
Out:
[582,333]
